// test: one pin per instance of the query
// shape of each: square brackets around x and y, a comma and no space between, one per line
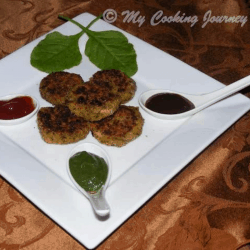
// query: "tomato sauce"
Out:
[16,108]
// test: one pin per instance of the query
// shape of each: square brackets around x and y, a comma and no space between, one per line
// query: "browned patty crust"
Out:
[58,125]
[55,86]
[124,86]
[119,129]
[93,102]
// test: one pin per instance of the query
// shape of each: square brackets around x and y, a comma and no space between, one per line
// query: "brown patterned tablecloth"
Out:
[207,206]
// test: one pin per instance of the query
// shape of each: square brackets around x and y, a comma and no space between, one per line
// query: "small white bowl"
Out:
[22,119]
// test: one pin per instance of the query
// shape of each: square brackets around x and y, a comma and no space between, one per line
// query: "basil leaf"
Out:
[111,50]
[56,52]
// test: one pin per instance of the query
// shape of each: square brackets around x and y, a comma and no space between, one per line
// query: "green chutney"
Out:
[89,170]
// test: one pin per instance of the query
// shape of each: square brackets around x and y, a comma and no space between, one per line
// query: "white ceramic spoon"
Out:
[97,199]
[200,101]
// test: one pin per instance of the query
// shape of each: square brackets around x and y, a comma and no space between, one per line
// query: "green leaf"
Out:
[111,50]
[56,52]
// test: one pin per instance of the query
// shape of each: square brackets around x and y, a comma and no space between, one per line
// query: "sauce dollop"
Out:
[89,170]
[168,103]
[16,108]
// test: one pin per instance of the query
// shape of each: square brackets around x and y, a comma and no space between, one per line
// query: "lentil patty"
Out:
[93,102]
[58,125]
[124,86]
[55,86]
[119,129]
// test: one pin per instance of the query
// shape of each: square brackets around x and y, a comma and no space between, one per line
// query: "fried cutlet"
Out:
[59,126]
[55,86]
[119,129]
[124,86]
[93,102]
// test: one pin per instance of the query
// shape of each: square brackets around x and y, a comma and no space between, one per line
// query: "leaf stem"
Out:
[93,21]
[81,26]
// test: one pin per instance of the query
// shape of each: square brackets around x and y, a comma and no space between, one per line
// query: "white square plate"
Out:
[140,168]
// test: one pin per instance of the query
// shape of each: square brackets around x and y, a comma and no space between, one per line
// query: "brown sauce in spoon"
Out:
[168,103]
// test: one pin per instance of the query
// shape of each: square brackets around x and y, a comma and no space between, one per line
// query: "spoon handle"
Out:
[227,91]
[99,203]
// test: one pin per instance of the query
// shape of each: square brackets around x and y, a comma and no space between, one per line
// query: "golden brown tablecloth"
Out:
[207,206]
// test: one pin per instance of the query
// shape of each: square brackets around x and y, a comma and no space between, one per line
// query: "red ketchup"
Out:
[16,108]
